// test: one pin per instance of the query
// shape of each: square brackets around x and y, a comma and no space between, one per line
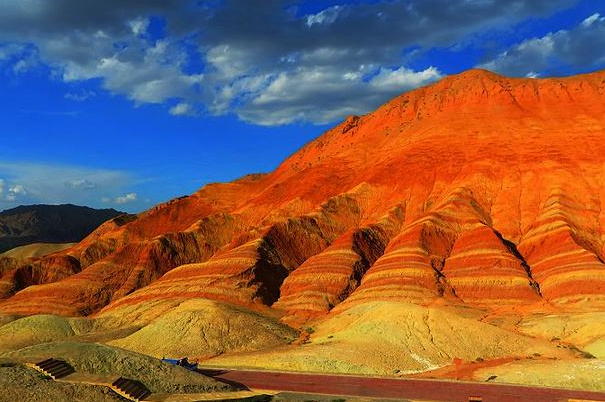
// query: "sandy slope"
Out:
[584,374]
[39,329]
[390,338]
[584,330]
[35,250]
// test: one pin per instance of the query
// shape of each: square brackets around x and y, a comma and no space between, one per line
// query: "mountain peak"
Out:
[484,92]
[474,73]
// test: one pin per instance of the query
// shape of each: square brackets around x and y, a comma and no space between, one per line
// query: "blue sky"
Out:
[127,104]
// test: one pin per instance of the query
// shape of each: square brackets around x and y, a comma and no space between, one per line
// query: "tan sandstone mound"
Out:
[37,329]
[202,329]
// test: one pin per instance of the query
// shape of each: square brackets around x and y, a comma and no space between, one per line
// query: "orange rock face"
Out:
[340,267]
[479,189]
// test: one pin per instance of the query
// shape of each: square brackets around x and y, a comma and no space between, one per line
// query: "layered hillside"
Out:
[480,190]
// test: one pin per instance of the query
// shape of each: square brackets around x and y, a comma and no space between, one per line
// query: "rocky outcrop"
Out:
[252,272]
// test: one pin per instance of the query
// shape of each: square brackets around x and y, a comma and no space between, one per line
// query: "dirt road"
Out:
[433,390]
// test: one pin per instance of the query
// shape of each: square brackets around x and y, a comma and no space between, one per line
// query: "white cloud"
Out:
[592,19]
[9,50]
[82,184]
[21,58]
[327,16]
[125,199]
[581,47]
[528,57]
[17,189]
[229,61]
[241,91]
[151,77]
[79,96]
[404,78]
[139,26]
[56,184]
[15,192]
[292,97]
[183,109]
[25,64]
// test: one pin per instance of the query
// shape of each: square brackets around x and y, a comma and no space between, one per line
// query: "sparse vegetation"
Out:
[19,383]
[106,360]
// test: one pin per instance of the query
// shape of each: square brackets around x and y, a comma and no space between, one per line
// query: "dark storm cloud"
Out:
[271,30]
[267,61]
[427,22]
[34,17]
[81,31]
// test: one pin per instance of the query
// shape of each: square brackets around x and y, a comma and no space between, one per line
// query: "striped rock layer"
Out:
[479,189]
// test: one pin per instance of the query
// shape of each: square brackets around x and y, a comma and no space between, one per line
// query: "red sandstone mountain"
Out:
[479,189]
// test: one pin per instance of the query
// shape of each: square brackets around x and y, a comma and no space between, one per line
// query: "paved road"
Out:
[433,390]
